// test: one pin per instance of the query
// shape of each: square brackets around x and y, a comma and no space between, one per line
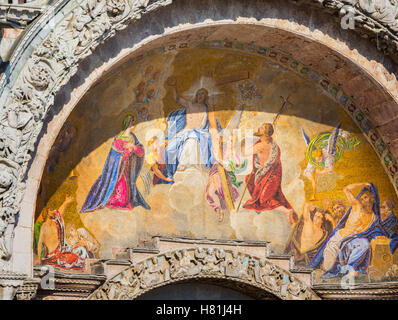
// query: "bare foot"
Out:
[220,216]
[353,273]
[181,168]
[292,216]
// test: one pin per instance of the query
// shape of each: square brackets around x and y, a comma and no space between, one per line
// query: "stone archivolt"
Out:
[56,59]
[51,65]
[203,262]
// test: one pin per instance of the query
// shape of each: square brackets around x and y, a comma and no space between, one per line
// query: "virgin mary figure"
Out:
[116,187]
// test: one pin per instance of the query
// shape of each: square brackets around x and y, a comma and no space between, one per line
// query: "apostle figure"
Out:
[116,186]
[189,139]
[389,221]
[308,235]
[348,250]
[264,182]
[388,218]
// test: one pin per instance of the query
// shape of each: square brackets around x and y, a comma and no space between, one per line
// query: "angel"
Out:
[157,162]
[323,151]
[229,161]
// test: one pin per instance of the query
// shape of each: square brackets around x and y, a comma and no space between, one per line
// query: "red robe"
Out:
[266,192]
[64,256]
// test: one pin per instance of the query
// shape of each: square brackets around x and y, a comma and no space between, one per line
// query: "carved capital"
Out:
[28,290]
[9,283]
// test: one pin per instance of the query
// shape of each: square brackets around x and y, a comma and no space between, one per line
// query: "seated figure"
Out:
[348,250]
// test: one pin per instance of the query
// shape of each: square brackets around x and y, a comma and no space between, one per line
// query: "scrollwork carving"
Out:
[383,11]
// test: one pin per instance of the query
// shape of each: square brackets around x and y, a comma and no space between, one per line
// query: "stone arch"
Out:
[208,263]
[42,72]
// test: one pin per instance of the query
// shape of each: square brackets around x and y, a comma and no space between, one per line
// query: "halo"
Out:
[204,82]
[126,113]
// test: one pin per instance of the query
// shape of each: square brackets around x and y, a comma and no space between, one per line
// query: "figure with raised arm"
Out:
[264,182]
[188,136]
[348,250]
[307,236]
[52,247]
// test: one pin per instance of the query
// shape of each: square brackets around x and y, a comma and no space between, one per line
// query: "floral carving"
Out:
[39,74]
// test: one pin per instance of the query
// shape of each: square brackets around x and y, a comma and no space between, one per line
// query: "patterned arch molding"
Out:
[79,29]
[203,263]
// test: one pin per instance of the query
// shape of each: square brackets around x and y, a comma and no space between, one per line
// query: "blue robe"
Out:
[354,251]
[389,226]
[105,185]
[176,122]
[389,223]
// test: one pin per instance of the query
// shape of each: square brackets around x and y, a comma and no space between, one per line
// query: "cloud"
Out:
[188,189]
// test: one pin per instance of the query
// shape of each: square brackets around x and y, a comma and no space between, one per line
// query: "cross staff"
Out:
[274,122]
[218,149]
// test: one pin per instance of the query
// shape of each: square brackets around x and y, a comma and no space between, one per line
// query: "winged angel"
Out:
[324,150]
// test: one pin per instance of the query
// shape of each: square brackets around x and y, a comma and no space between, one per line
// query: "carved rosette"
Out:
[203,262]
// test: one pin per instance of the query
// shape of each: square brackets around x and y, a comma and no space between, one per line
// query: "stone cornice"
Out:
[9,284]
[379,291]
[19,15]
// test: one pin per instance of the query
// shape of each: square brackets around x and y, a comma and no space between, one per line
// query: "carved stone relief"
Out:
[198,263]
